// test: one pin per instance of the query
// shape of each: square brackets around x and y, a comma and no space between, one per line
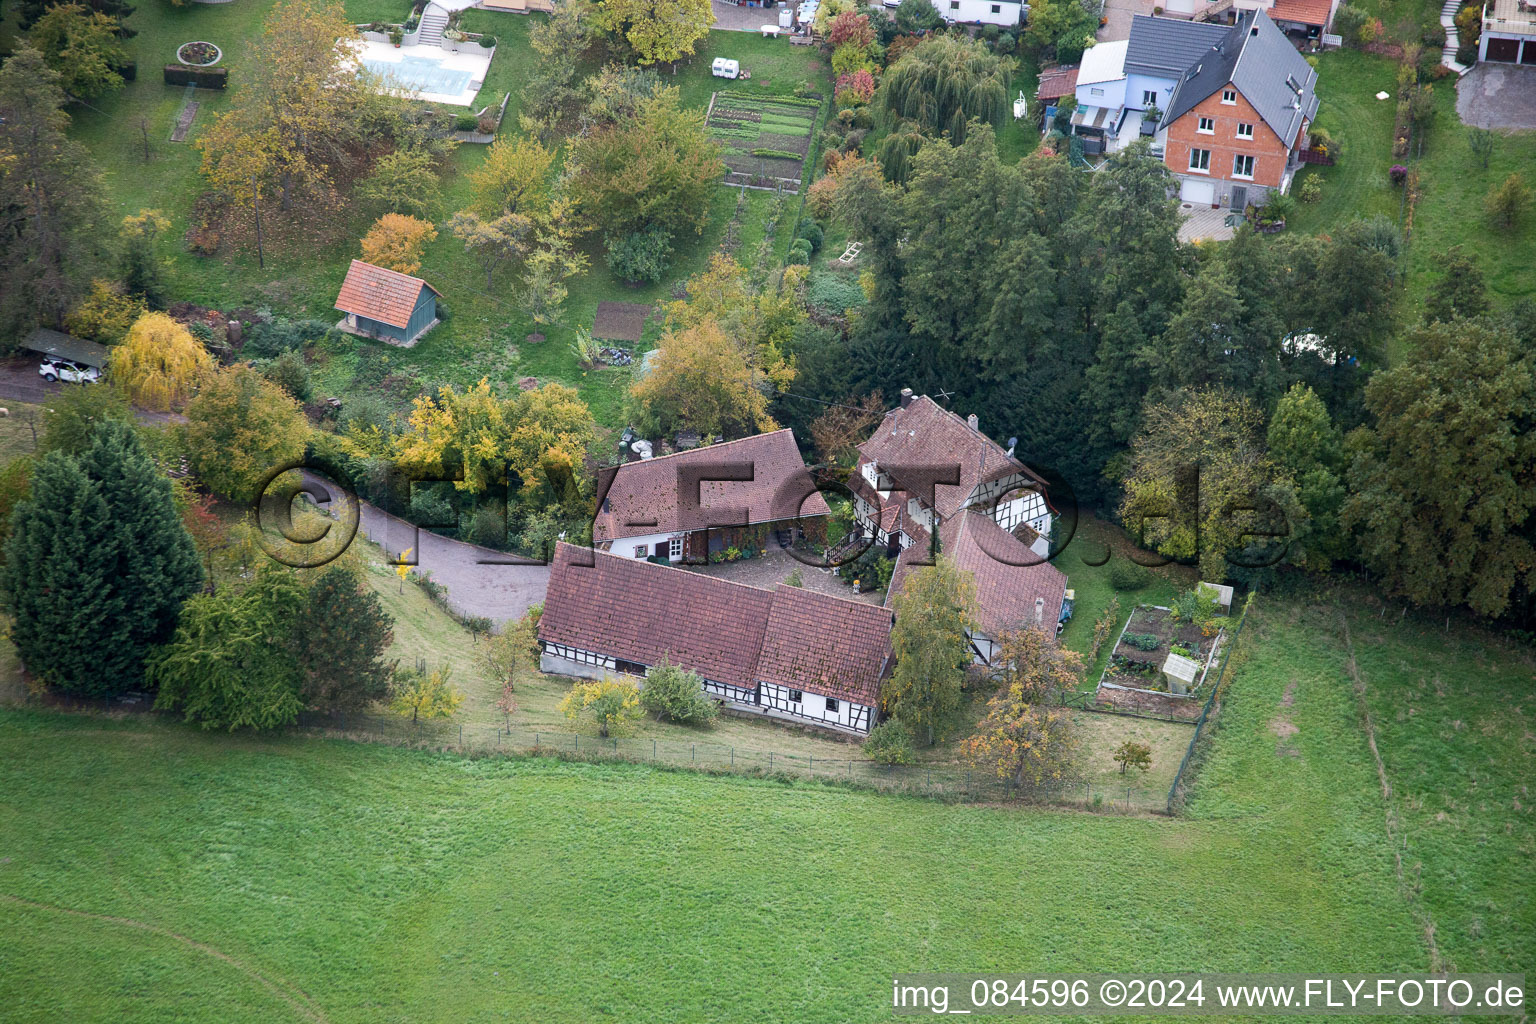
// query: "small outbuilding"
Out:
[1180,673]
[386,304]
[57,345]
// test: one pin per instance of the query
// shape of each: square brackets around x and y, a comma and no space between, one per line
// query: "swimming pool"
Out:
[420,74]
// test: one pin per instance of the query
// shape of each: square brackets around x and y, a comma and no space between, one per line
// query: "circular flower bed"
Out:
[198,54]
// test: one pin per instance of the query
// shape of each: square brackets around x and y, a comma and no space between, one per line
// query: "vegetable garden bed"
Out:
[1150,635]
[765,140]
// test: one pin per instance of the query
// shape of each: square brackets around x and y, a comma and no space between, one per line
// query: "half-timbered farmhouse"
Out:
[995,522]
[787,652]
[678,508]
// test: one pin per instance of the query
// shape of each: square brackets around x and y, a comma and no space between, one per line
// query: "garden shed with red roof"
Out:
[386,304]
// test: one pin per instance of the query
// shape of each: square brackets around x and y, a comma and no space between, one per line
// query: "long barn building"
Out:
[786,653]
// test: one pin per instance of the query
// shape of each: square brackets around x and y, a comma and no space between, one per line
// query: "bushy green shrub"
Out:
[433,505]
[487,41]
[288,372]
[1140,641]
[799,252]
[890,743]
[1127,575]
[464,123]
[676,694]
[834,293]
[488,527]
[268,339]
[811,232]
[641,256]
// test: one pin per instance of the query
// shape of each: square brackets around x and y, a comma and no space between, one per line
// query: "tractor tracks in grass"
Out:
[1397,836]
[301,1004]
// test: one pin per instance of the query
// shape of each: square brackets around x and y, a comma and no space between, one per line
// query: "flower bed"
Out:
[765,139]
[198,54]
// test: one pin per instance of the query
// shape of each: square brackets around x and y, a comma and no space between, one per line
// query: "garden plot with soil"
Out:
[765,140]
[1134,680]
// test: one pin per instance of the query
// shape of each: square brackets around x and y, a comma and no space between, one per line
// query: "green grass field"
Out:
[154,872]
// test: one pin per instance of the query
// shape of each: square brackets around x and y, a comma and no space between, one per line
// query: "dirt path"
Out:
[296,998]
[20,382]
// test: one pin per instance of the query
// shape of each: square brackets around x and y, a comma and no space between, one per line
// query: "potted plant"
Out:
[396,36]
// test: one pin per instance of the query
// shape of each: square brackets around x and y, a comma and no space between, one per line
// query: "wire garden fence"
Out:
[945,781]
[1179,790]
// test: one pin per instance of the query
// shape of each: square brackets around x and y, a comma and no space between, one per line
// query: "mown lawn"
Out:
[307,256]
[1452,181]
[378,884]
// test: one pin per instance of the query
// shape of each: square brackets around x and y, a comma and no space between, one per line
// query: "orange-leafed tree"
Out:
[396,242]
[1027,736]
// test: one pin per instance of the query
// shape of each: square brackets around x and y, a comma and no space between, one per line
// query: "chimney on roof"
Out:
[1039,611]
[906,397]
[972,422]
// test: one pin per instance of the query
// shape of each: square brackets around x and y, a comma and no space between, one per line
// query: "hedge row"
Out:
[203,78]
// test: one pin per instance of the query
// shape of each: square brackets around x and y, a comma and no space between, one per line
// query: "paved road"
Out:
[476,584]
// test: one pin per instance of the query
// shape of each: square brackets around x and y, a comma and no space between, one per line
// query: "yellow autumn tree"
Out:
[657,30]
[1027,737]
[513,179]
[703,381]
[539,435]
[240,428]
[396,242]
[158,362]
[290,117]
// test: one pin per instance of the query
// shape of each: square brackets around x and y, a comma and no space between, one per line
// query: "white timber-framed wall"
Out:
[817,707]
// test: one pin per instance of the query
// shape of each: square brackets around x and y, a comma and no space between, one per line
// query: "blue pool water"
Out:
[421,74]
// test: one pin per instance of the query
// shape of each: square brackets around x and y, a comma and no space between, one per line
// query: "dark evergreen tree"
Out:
[340,643]
[98,565]
[66,611]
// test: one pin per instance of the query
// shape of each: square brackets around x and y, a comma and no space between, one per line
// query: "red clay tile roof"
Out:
[1057,82]
[636,610]
[1009,576]
[728,632]
[1305,12]
[926,434]
[387,296]
[644,496]
[828,645]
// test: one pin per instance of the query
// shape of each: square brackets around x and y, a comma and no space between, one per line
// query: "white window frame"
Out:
[1149,97]
[1248,134]
[1200,126]
[1237,161]
[1229,97]
[1202,166]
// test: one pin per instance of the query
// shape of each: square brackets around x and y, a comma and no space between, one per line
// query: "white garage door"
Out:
[1196,191]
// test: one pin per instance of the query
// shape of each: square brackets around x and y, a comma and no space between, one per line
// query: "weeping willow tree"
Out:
[943,83]
[898,150]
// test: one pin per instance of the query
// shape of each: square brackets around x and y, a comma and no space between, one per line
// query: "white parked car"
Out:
[53,369]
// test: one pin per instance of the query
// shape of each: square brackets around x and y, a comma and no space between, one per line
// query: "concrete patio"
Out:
[1201,223]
